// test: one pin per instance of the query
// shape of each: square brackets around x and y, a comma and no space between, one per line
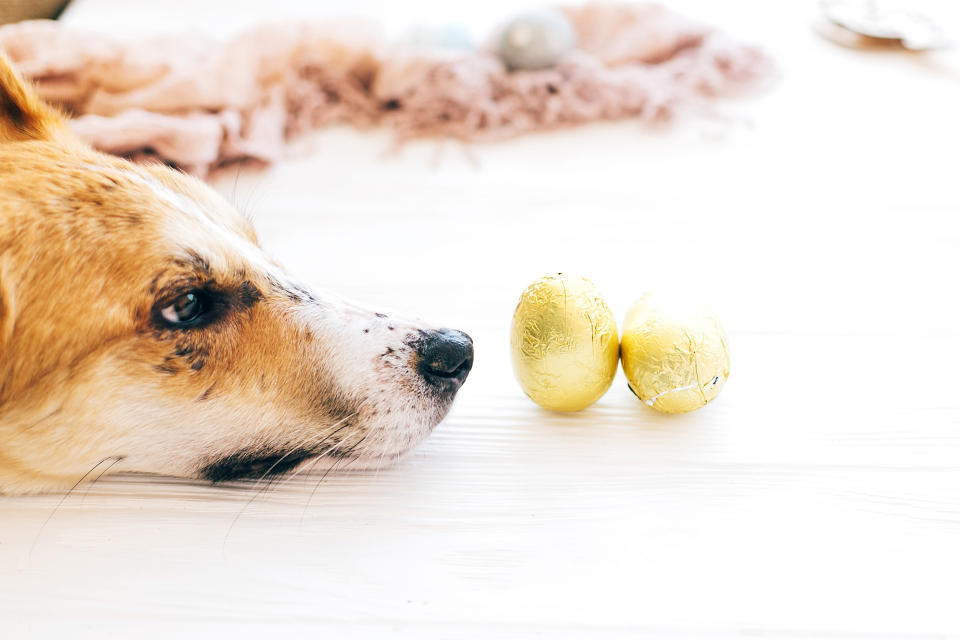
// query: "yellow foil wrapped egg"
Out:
[564,343]
[674,353]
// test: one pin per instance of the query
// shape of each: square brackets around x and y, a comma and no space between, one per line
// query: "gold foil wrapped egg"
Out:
[674,353]
[564,343]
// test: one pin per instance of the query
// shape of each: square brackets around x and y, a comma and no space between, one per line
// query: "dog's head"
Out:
[142,326]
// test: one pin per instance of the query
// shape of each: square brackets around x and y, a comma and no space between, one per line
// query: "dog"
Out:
[142,328]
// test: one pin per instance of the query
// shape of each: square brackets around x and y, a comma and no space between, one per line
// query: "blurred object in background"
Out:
[873,23]
[199,103]
[449,38]
[537,40]
[17,10]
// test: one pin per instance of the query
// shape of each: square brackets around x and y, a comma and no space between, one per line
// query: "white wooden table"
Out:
[817,497]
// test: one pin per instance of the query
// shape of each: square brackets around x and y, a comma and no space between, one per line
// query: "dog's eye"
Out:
[185,310]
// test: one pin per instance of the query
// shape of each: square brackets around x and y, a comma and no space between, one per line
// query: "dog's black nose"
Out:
[446,356]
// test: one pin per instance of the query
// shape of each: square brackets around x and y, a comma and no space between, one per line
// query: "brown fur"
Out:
[91,247]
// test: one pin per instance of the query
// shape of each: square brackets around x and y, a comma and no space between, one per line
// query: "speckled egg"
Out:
[536,40]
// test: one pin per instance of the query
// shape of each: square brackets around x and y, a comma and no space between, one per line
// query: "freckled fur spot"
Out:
[248,295]
[183,350]
[198,262]
[154,283]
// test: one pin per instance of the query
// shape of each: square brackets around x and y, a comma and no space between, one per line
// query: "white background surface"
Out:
[817,497]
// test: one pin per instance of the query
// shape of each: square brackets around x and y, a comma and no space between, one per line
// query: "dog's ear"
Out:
[23,115]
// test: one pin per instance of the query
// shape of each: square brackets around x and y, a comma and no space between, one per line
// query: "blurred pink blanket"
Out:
[199,103]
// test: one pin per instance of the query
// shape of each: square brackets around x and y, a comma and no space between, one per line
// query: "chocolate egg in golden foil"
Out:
[674,353]
[564,343]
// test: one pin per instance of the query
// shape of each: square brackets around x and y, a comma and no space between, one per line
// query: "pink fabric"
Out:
[198,103]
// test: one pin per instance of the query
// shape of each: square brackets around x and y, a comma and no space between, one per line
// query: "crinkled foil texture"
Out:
[564,343]
[676,359]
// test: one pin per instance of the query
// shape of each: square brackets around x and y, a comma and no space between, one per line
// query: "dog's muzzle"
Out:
[445,358]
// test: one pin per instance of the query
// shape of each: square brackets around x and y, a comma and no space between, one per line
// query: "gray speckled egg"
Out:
[537,40]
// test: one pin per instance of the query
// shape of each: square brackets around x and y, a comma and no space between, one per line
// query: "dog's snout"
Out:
[446,356]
